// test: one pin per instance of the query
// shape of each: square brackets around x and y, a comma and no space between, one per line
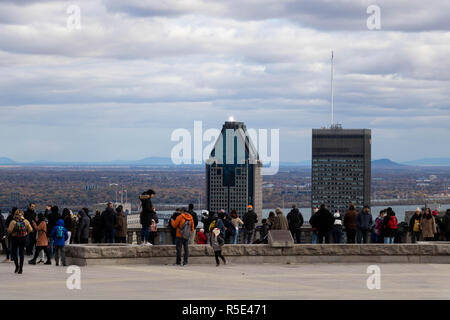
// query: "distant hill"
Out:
[386,163]
[429,162]
[4,160]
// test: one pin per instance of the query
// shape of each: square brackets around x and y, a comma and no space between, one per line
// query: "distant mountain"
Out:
[4,160]
[386,163]
[429,162]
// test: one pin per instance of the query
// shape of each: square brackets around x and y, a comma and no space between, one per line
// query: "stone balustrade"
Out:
[422,252]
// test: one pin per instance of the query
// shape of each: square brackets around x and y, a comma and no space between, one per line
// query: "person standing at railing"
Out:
[414,226]
[147,214]
[250,219]
[350,223]
[236,221]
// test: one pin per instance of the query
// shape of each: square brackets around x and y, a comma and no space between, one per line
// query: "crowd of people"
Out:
[45,235]
[385,228]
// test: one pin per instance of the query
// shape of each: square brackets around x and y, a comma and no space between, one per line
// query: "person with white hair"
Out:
[414,226]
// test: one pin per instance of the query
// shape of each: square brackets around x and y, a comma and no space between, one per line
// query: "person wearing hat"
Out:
[250,219]
[216,243]
[428,225]
[414,226]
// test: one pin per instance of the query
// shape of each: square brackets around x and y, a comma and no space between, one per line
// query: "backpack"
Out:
[186,230]
[59,232]
[416,227]
[212,225]
[230,228]
[21,229]
[392,223]
[153,227]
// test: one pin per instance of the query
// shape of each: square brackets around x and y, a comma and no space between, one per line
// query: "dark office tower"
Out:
[341,164]
[234,172]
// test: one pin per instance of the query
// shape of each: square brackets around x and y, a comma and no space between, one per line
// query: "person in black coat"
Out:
[147,214]
[250,219]
[52,216]
[30,215]
[109,222]
[193,214]
[323,220]
[3,235]
[206,220]
[173,231]
[97,227]
[295,220]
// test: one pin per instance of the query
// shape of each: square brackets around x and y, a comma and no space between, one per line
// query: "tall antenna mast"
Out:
[332,107]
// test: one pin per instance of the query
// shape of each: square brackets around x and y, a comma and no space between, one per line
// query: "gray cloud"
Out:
[138,70]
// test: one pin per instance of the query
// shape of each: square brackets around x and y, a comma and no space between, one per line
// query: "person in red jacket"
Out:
[183,234]
[201,238]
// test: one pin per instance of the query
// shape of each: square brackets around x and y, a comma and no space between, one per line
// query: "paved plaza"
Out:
[230,282]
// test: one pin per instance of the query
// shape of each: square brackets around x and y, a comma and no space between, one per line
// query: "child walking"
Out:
[216,243]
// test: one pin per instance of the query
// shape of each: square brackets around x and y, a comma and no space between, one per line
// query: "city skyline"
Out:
[117,87]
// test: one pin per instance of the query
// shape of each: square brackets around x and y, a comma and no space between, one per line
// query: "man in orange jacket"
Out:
[182,238]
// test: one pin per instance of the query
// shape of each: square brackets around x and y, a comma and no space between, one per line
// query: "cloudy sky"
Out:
[136,70]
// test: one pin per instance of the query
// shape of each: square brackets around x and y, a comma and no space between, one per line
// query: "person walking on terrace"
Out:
[60,236]
[216,243]
[18,229]
[184,225]
[30,216]
[42,241]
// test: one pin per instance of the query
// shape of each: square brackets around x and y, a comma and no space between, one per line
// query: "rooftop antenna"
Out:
[332,107]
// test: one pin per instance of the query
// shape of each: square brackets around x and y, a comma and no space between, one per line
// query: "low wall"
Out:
[163,236]
[94,254]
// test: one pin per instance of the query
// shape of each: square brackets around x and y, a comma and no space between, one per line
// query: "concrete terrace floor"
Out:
[230,282]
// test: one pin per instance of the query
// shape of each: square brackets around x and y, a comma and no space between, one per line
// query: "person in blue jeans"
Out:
[60,235]
[390,226]
[181,240]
